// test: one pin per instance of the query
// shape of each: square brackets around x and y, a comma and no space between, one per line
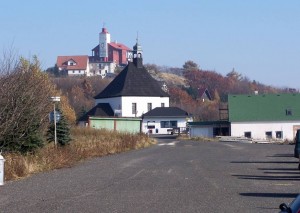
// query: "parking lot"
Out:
[172,176]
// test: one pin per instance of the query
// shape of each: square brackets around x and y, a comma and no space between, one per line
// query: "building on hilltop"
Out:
[73,65]
[106,57]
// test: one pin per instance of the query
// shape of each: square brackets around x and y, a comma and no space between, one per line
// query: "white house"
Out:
[76,65]
[260,117]
[164,120]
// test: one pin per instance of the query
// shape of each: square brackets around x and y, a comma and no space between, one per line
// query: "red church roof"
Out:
[81,62]
[118,46]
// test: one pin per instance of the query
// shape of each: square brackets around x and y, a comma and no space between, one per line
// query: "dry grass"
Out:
[87,143]
[172,79]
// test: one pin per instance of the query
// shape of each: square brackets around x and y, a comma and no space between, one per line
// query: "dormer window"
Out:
[71,63]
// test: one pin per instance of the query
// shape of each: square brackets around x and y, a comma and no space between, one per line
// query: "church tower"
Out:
[104,40]
[138,55]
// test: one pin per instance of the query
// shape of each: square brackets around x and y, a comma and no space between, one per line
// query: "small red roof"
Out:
[119,46]
[81,62]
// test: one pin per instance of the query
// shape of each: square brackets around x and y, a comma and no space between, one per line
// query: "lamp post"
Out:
[55,99]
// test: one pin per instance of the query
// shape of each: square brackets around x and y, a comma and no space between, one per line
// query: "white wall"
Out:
[76,72]
[101,68]
[181,122]
[126,104]
[202,131]
[142,104]
[258,129]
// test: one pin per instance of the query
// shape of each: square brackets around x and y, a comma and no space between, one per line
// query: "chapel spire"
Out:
[138,54]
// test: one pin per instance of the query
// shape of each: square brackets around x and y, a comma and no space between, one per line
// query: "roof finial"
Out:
[137,37]
[103,24]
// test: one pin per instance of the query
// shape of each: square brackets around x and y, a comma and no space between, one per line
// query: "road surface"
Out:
[172,176]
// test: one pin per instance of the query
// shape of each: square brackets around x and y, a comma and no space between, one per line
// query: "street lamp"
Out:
[55,99]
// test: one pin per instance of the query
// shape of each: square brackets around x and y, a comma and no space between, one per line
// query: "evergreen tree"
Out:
[62,131]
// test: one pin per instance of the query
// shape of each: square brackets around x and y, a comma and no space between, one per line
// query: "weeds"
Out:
[86,143]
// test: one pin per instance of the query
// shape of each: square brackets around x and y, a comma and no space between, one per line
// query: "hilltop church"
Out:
[106,57]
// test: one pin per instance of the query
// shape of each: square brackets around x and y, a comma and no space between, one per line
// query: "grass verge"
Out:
[86,143]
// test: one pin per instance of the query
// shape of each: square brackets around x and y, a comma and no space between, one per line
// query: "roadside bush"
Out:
[87,143]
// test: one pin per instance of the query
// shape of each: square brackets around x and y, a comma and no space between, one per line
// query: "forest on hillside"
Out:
[184,85]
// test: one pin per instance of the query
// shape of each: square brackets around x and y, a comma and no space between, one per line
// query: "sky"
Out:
[258,38]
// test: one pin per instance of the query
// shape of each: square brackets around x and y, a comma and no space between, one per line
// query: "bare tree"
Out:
[24,103]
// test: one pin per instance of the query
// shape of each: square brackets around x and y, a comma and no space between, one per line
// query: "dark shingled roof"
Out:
[100,110]
[133,81]
[166,112]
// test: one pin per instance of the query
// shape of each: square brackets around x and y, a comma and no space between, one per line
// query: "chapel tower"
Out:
[104,40]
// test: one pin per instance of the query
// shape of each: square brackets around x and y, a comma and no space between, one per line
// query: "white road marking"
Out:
[233,146]
[283,184]
[173,143]
[136,174]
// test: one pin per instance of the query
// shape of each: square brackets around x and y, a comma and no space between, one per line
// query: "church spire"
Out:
[138,54]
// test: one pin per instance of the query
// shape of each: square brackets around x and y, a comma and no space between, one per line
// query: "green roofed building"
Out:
[260,117]
[267,116]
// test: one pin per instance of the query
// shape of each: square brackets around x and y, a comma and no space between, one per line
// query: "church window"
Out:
[134,108]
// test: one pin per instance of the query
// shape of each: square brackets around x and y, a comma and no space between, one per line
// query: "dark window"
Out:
[133,108]
[279,134]
[247,134]
[164,124]
[173,124]
[168,124]
[162,104]
[149,106]
[268,135]
[288,112]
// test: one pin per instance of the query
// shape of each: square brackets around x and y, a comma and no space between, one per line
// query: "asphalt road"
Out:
[172,176]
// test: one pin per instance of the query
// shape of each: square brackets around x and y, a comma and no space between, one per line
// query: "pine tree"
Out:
[62,131]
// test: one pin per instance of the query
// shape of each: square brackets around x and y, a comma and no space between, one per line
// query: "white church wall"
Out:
[141,105]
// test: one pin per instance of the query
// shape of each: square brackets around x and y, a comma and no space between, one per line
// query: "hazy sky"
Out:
[258,38]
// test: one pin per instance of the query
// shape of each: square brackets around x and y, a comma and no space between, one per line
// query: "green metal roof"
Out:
[268,107]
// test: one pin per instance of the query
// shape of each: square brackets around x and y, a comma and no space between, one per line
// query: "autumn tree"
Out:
[190,66]
[80,91]
[24,104]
